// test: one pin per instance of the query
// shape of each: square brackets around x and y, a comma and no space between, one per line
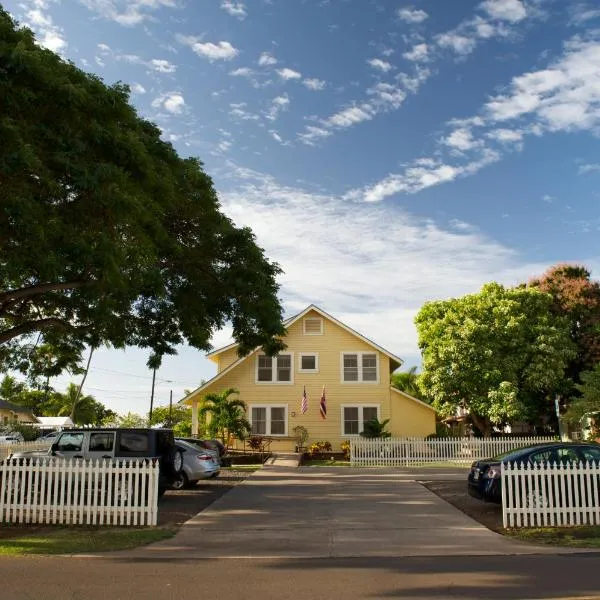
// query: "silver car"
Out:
[198,463]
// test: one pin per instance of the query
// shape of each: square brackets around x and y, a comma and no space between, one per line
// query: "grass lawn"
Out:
[247,468]
[325,462]
[76,540]
[582,537]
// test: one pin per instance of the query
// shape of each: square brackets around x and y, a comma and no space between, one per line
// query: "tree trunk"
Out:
[85,374]
[483,424]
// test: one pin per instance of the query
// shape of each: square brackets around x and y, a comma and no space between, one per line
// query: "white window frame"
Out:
[320,319]
[361,423]
[359,354]
[300,369]
[268,421]
[274,370]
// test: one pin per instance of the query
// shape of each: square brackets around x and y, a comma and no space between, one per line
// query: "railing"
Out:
[407,452]
[550,495]
[78,492]
[7,449]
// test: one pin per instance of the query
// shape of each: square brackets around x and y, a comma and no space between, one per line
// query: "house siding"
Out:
[329,347]
[226,358]
[8,416]
[409,418]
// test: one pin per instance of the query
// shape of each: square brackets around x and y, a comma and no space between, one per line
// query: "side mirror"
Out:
[53,448]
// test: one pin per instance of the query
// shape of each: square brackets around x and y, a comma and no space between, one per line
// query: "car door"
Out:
[101,445]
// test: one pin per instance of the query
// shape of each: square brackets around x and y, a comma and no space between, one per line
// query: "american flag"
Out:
[304,405]
[323,405]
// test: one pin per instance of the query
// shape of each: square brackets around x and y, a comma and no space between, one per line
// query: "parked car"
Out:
[118,445]
[12,437]
[215,445]
[48,437]
[484,481]
[198,463]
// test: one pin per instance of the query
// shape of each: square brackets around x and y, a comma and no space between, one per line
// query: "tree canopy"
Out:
[107,236]
[499,353]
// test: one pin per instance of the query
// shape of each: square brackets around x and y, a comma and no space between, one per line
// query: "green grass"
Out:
[249,468]
[78,540]
[324,462]
[581,537]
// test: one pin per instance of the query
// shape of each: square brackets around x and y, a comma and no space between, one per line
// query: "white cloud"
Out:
[380,65]
[412,15]
[235,9]
[582,13]
[238,111]
[278,104]
[589,168]
[127,12]
[419,53]
[48,35]
[462,140]
[137,88]
[386,95]
[219,51]
[312,134]
[438,261]
[289,74]
[162,66]
[505,10]
[350,116]
[172,102]
[276,136]
[548,198]
[266,59]
[242,72]
[506,136]
[459,43]
[224,145]
[314,84]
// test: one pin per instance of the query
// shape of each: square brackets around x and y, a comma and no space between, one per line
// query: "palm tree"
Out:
[227,416]
[75,405]
[408,381]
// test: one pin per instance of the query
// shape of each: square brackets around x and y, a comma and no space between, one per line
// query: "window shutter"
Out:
[313,326]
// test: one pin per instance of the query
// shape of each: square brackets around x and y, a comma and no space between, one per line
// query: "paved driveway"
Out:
[332,513]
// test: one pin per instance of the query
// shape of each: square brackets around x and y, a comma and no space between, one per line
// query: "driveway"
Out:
[335,513]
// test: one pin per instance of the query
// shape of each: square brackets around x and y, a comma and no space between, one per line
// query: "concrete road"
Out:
[336,513]
[410,578]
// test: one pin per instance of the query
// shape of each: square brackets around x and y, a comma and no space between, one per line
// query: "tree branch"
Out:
[30,326]
[40,288]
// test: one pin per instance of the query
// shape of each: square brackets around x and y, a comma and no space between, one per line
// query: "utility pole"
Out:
[152,396]
[171,408]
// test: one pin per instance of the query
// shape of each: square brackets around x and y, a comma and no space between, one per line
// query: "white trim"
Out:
[274,361]
[289,322]
[300,355]
[320,319]
[358,353]
[361,423]
[268,418]
[393,389]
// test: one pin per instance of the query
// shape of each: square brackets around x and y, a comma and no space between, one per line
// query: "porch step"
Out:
[288,459]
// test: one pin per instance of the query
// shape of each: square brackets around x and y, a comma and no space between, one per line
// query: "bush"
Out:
[255,442]
[316,449]
[346,449]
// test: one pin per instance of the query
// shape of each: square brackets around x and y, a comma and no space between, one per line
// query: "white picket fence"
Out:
[7,449]
[407,452]
[78,492]
[550,495]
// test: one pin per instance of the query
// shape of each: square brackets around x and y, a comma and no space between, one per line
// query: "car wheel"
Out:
[180,482]
[178,461]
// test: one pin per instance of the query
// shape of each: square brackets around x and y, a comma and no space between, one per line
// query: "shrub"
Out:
[255,442]
[346,449]
[318,448]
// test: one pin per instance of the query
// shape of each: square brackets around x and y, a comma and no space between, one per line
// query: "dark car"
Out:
[484,481]
[214,445]
[118,445]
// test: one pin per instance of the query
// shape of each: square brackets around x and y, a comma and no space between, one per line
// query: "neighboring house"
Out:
[11,413]
[321,351]
[54,423]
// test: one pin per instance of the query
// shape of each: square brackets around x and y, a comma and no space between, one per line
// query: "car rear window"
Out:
[132,442]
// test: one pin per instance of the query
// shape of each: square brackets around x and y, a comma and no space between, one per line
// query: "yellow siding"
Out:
[329,347]
[227,358]
[410,418]
[7,416]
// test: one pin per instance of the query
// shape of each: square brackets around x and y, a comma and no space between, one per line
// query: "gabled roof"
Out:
[288,323]
[4,405]
[412,398]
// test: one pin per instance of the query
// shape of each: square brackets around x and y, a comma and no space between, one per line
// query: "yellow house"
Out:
[11,413]
[323,355]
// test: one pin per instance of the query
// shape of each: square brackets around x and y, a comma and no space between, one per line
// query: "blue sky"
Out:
[385,153]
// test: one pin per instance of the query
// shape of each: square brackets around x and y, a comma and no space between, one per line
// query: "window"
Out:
[354,417]
[308,363]
[133,442]
[360,367]
[275,369]
[313,326]
[70,442]
[590,453]
[269,420]
[567,455]
[542,457]
[102,442]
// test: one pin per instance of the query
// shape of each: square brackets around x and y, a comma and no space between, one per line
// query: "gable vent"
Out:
[313,326]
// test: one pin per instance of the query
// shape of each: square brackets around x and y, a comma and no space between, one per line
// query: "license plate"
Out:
[475,475]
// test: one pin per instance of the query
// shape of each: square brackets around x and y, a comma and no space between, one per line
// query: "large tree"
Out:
[107,236]
[500,354]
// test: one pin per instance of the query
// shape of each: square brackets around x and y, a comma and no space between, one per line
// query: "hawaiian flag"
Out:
[304,405]
[323,405]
